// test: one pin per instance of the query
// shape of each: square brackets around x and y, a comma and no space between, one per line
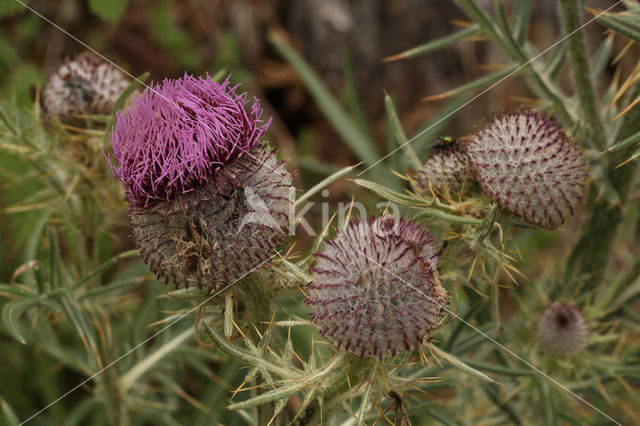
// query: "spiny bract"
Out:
[528,165]
[376,290]
[84,85]
[445,172]
[222,230]
[562,330]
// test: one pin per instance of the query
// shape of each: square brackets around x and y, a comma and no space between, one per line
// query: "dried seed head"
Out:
[208,201]
[445,172]
[528,165]
[375,289]
[562,330]
[178,133]
[84,85]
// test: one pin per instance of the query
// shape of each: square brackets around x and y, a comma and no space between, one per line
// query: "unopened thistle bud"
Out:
[563,330]
[376,290]
[84,85]
[208,200]
[528,165]
[446,171]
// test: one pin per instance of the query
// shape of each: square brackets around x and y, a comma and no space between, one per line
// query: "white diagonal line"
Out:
[545,375]
[145,341]
[491,87]
[127,73]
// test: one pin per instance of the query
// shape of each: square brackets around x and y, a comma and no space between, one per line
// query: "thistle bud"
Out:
[376,290]
[528,165]
[84,85]
[563,330]
[209,202]
[445,172]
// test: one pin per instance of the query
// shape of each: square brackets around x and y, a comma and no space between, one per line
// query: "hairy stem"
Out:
[590,256]
[589,106]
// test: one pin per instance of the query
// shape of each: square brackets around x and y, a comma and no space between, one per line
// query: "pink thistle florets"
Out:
[178,133]
[376,290]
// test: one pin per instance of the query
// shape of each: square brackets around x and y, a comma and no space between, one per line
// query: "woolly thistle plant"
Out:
[83,85]
[208,199]
[446,171]
[562,330]
[376,289]
[528,165]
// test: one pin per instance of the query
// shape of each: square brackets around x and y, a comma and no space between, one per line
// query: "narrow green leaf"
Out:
[625,23]
[624,143]
[11,313]
[398,133]
[324,183]
[601,57]
[114,288]
[458,363]
[389,194]
[448,216]
[546,400]
[521,16]
[105,265]
[109,10]
[479,83]
[362,146]
[435,45]
[10,416]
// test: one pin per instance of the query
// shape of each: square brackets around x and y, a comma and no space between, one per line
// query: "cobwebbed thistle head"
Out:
[528,165]
[562,330]
[208,200]
[376,290]
[84,85]
[446,172]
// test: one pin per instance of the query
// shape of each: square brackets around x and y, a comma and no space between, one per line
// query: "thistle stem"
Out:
[590,255]
[590,109]
[131,377]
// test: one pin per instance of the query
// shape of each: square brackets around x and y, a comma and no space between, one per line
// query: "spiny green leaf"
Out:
[625,23]
[521,17]
[479,83]
[324,183]
[624,143]
[435,45]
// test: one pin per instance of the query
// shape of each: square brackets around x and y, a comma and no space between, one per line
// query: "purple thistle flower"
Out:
[209,202]
[178,133]
[562,330]
[84,85]
[362,296]
[528,165]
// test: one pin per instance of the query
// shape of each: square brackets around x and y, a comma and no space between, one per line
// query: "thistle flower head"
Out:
[209,202]
[375,289]
[84,85]
[178,133]
[445,172]
[528,165]
[562,330]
